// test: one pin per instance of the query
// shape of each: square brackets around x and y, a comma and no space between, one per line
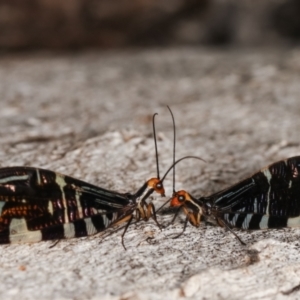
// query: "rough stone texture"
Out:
[76,24]
[88,115]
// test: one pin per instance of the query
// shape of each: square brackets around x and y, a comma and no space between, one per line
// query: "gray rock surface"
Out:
[88,115]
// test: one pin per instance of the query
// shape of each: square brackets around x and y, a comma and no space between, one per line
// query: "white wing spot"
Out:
[79,208]
[69,230]
[60,180]
[247,220]
[20,234]
[293,222]
[38,176]
[268,175]
[14,178]
[2,203]
[90,228]
[264,222]
[50,207]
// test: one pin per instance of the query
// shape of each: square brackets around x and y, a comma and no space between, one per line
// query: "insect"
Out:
[268,199]
[38,204]
[173,204]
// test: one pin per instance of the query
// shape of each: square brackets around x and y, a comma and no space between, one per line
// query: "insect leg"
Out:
[193,217]
[152,213]
[224,224]
[54,244]
[126,227]
[176,215]
[184,228]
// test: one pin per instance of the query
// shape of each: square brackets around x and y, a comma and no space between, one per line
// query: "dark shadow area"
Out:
[81,24]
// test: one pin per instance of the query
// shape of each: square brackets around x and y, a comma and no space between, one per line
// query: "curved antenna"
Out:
[155,143]
[174,146]
[177,161]
[162,206]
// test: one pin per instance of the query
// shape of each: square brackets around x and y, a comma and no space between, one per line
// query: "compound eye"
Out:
[181,198]
[159,185]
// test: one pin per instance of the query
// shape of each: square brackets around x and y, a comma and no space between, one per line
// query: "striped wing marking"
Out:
[268,199]
[37,204]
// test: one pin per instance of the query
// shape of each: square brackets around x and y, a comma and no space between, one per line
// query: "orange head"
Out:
[157,185]
[179,198]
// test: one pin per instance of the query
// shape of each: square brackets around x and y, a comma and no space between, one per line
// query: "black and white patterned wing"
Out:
[268,199]
[38,204]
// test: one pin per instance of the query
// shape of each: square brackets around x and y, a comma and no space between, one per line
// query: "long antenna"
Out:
[174,146]
[155,143]
[177,161]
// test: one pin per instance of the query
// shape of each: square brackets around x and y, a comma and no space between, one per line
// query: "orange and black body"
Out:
[268,199]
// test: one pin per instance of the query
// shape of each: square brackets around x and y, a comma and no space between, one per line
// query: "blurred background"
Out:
[78,24]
